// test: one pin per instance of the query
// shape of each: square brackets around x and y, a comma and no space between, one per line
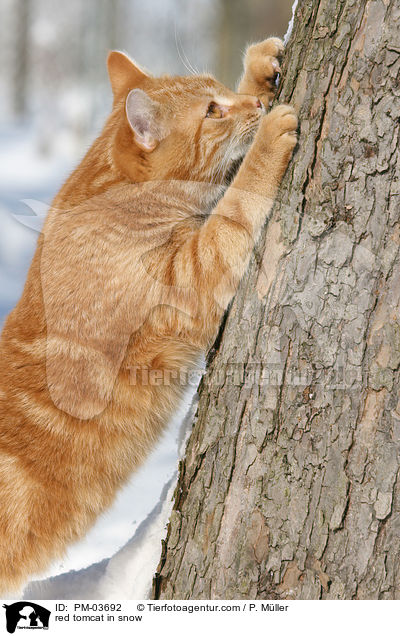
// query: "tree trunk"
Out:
[290,487]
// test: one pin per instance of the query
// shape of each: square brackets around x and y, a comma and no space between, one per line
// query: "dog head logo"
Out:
[26,615]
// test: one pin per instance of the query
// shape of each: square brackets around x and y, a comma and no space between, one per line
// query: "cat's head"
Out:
[188,128]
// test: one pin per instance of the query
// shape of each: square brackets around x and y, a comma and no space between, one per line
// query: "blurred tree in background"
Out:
[20,76]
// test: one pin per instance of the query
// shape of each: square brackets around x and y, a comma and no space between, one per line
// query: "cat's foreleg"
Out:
[216,256]
[261,68]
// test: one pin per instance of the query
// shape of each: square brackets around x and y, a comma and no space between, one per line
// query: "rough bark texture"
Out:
[290,487]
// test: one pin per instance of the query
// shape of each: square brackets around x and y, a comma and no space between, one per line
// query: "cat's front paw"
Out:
[279,128]
[262,64]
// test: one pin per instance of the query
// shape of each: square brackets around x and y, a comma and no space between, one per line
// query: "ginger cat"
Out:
[141,253]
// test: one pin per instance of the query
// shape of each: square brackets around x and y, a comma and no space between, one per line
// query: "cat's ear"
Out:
[123,72]
[144,118]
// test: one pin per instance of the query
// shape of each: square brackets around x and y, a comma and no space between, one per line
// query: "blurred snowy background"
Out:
[54,98]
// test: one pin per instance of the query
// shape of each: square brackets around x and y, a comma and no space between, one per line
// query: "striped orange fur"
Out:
[141,252]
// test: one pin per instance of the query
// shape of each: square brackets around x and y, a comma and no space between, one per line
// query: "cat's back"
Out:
[98,266]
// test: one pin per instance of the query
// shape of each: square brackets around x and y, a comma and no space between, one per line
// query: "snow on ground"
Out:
[119,556]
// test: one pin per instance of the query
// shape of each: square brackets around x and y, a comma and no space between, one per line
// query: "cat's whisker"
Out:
[226,159]
[187,64]
[228,155]
[195,70]
[218,172]
[224,162]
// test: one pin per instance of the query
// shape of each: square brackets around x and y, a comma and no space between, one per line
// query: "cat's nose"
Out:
[251,102]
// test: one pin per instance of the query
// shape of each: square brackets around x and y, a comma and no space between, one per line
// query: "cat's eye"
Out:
[215,111]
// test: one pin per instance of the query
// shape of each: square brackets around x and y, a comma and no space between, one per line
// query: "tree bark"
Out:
[289,487]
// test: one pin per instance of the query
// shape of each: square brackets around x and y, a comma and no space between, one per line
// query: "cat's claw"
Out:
[262,63]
